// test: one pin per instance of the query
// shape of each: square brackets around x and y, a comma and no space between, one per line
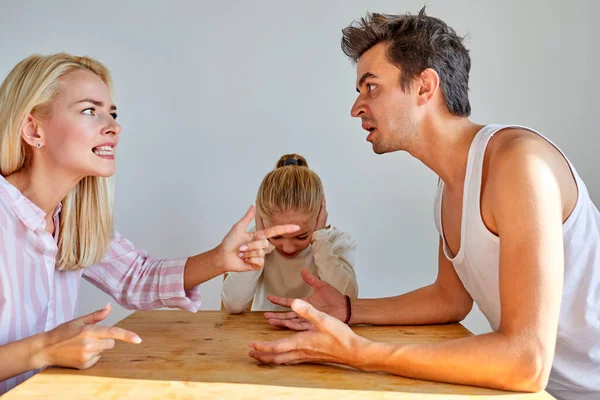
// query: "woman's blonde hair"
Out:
[291,187]
[86,221]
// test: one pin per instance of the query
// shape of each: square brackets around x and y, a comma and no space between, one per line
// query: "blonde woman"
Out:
[293,194]
[58,136]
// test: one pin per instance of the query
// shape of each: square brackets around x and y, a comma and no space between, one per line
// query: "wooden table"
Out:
[205,356]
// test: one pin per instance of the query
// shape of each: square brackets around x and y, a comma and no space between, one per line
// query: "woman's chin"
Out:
[102,174]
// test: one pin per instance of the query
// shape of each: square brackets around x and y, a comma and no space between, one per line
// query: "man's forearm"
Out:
[493,360]
[427,305]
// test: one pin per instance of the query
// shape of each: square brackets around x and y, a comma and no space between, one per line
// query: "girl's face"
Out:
[290,245]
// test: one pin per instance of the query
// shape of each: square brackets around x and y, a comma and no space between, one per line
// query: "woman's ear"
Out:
[32,133]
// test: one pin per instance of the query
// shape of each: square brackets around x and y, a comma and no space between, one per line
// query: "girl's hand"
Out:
[322,218]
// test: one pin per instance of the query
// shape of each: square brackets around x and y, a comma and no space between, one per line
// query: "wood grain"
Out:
[205,356]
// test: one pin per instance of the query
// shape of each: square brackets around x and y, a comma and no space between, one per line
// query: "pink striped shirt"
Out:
[35,297]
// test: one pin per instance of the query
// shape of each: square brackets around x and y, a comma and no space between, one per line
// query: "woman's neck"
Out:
[44,189]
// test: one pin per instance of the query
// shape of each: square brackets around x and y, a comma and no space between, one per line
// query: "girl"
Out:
[293,194]
[58,135]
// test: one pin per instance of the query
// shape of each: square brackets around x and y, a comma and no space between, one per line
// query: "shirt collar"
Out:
[31,215]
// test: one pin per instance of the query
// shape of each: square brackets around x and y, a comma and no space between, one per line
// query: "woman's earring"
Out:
[39,145]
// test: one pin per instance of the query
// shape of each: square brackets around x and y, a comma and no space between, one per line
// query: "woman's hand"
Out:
[79,343]
[245,251]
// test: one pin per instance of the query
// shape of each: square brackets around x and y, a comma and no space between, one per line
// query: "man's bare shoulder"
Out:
[520,143]
[519,155]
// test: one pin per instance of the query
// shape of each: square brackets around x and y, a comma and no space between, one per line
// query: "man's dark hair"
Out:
[413,44]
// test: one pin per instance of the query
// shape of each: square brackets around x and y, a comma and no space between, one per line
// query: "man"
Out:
[519,234]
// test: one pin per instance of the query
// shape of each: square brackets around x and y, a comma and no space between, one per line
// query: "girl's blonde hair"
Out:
[291,187]
[86,221]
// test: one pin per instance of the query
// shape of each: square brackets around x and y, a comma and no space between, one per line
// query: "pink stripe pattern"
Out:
[35,297]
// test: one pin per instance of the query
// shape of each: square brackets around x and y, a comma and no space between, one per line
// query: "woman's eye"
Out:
[114,115]
[88,111]
[370,87]
[302,237]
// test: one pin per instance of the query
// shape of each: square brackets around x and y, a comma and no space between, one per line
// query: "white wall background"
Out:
[210,94]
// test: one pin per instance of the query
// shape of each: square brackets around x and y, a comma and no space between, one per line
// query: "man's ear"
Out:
[428,84]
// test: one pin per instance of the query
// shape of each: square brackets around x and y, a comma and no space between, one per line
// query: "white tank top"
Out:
[576,367]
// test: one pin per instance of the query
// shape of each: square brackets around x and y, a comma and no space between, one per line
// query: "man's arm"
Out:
[444,301]
[527,209]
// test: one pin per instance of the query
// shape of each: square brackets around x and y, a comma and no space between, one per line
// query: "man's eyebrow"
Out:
[363,78]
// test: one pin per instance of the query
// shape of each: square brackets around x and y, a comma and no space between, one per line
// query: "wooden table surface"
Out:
[205,356]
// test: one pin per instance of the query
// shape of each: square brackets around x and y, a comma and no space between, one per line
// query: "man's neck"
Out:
[444,148]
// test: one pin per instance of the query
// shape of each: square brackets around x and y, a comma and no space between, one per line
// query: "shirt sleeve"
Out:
[137,281]
[238,289]
[334,252]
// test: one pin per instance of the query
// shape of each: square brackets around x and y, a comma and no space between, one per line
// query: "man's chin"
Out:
[378,149]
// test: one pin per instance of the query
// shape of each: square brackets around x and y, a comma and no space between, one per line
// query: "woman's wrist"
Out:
[203,267]
[217,256]
[37,357]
